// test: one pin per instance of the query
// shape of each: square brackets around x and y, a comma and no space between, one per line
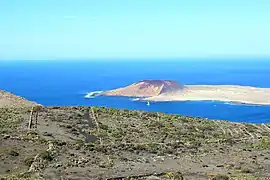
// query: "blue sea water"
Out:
[67,82]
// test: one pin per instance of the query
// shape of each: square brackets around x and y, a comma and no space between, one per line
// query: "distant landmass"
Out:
[146,88]
[168,90]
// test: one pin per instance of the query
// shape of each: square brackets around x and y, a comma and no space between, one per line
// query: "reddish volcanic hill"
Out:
[146,88]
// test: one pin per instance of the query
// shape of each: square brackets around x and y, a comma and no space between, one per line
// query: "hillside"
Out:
[100,143]
[146,88]
[10,100]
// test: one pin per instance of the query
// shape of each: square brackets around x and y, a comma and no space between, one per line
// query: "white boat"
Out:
[148,103]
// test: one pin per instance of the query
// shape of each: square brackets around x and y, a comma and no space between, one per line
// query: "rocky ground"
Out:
[99,143]
[8,99]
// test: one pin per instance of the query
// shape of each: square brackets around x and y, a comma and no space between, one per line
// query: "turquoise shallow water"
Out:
[67,82]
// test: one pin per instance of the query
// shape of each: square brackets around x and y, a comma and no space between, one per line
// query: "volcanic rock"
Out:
[146,88]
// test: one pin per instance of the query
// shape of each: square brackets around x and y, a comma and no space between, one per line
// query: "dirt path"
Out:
[99,143]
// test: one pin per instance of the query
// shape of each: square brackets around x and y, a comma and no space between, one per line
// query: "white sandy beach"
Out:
[231,93]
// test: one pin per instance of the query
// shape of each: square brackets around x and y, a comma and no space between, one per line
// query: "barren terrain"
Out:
[145,88]
[8,99]
[231,93]
[165,90]
[100,143]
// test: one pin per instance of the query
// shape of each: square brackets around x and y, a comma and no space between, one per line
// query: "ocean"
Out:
[66,82]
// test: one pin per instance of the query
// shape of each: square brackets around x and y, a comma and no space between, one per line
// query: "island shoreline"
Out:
[224,93]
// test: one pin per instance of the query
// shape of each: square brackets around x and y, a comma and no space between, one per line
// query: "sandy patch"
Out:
[231,93]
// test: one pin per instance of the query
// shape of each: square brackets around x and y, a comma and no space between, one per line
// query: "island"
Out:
[168,90]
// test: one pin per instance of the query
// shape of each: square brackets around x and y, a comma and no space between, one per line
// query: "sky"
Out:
[59,29]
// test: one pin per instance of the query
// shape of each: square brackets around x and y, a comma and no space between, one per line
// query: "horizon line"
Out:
[141,58]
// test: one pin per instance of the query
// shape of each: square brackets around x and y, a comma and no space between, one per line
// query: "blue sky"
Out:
[57,29]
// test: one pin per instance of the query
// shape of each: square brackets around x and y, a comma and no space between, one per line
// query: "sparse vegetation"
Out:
[13,153]
[132,144]
[28,161]
[45,155]
[221,177]
[263,143]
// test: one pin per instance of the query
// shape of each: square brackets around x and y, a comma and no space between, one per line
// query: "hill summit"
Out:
[146,88]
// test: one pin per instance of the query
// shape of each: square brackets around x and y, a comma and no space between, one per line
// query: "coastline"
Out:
[224,93]
[8,100]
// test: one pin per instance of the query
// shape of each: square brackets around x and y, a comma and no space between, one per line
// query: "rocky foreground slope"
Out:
[10,100]
[100,143]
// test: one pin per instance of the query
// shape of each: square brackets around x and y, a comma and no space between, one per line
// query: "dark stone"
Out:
[13,153]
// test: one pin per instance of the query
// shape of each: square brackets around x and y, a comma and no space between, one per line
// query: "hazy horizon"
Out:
[150,59]
[54,30]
